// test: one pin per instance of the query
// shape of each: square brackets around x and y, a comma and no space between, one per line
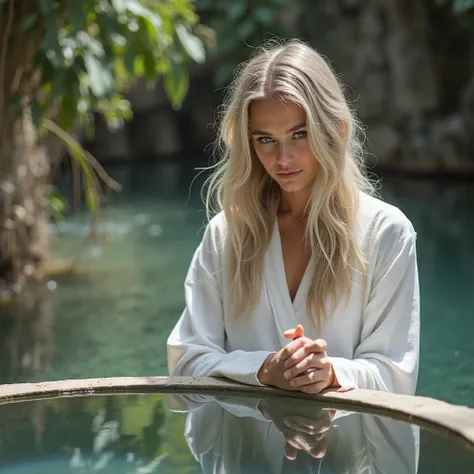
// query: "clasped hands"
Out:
[302,365]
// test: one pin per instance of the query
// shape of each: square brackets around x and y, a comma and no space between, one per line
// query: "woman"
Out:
[303,280]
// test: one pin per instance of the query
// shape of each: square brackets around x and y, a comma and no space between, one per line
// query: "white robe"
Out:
[372,336]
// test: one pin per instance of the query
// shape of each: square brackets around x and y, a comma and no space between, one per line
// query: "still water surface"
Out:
[215,434]
[114,319]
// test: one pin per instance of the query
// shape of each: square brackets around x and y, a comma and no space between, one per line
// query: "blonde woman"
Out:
[303,280]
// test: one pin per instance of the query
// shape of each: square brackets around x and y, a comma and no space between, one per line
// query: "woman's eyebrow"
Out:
[292,129]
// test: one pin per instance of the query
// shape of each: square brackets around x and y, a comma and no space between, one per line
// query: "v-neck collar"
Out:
[276,276]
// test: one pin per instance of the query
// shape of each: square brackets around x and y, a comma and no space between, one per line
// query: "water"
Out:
[113,319]
[208,434]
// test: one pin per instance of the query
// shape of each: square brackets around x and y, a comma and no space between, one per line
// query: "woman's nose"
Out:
[283,154]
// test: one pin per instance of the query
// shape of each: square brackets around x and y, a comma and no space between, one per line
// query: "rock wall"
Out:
[409,68]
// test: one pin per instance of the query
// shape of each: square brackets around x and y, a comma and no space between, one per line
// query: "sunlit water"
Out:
[141,434]
[114,319]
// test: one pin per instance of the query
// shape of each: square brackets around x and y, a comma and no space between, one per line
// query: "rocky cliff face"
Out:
[410,71]
[409,68]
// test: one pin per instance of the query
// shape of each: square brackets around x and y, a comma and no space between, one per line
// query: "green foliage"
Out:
[93,50]
[88,53]
[55,203]
[239,23]
[459,6]
[463,9]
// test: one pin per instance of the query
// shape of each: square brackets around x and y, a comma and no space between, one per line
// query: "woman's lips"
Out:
[288,174]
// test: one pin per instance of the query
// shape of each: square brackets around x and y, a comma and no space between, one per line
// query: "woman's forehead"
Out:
[275,114]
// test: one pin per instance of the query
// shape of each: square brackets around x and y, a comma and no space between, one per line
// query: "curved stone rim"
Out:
[454,420]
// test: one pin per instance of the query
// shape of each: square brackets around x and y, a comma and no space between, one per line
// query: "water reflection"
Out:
[156,433]
[241,435]
[26,335]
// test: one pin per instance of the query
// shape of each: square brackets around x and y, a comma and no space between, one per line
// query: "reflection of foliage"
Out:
[237,22]
[136,431]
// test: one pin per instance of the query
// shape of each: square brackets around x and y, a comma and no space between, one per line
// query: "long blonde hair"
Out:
[241,188]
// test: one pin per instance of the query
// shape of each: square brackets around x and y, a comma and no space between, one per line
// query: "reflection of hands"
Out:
[303,429]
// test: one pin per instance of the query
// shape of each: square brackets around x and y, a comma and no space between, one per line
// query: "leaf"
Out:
[47,68]
[146,25]
[67,113]
[36,113]
[120,5]
[57,205]
[80,155]
[100,78]
[129,57]
[92,199]
[461,6]
[94,46]
[139,10]
[191,43]
[51,37]
[176,84]
[77,14]
[150,64]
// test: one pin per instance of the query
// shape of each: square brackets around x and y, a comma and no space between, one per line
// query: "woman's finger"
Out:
[310,362]
[318,345]
[290,452]
[319,450]
[315,388]
[309,378]
[315,432]
[294,333]
[312,347]
[293,346]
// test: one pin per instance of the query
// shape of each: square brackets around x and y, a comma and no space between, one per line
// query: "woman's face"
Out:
[280,139]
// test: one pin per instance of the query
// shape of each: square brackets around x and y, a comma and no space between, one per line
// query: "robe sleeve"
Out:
[196,346]
[387,357]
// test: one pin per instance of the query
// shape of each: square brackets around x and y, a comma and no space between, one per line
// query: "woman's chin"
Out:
[291,187]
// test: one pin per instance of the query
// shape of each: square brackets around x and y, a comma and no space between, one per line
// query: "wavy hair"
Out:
[240,187]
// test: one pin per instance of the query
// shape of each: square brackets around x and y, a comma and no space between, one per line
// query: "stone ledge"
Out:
[455,420]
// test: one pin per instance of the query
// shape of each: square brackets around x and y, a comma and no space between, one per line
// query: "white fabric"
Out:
[372,336]
[226,436]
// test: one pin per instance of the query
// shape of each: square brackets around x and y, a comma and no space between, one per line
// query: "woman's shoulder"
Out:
[381,220]
[218,223]
[214,233]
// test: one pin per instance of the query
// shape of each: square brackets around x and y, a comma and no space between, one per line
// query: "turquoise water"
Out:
[191,433]
[114,318]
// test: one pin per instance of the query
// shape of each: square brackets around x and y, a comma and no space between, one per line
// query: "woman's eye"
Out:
[300,134]
[264,140]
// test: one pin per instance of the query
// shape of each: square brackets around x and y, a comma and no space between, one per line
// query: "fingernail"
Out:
[287,374]
[292,383]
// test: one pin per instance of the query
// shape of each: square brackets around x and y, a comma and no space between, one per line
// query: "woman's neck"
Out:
[293,203]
